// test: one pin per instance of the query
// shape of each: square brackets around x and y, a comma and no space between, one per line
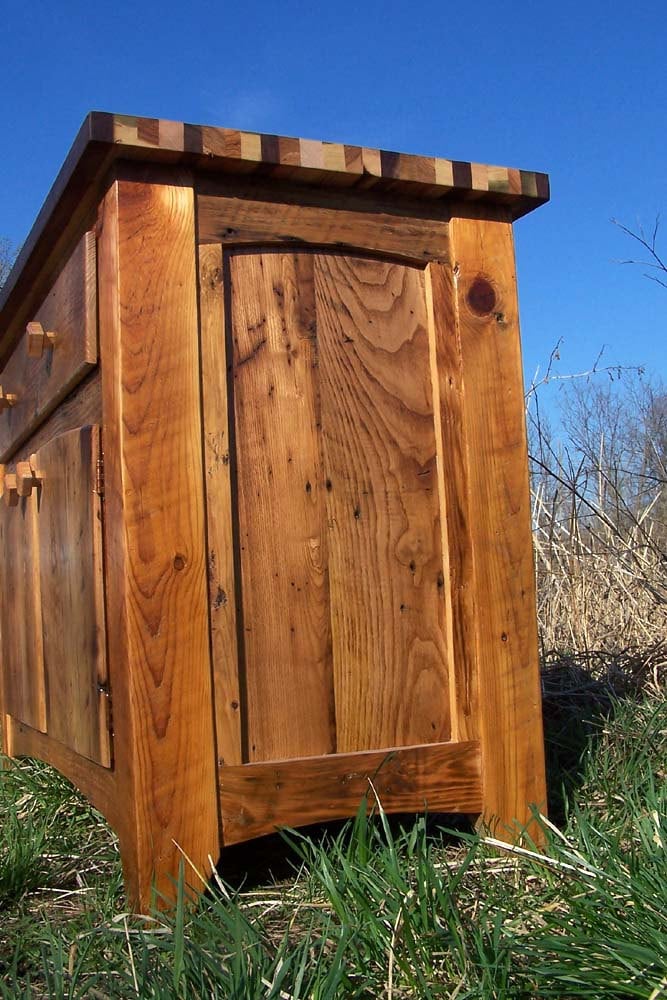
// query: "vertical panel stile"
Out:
[447,375]
[218,459]
[509,710]
[155,530]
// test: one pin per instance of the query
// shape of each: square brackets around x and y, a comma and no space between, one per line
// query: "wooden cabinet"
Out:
[276,541]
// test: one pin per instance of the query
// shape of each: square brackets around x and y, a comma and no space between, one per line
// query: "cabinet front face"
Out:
[328,563]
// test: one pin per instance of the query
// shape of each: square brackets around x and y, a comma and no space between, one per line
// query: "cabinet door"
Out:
[22,666]
[69,534]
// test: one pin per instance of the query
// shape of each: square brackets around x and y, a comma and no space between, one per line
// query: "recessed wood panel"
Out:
[341,591]
[284,614]
[70,564]
[379,448]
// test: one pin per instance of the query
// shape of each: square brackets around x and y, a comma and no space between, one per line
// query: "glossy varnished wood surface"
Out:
[69,310]
[69,534]
[155,530]
[258,798]
[505,621]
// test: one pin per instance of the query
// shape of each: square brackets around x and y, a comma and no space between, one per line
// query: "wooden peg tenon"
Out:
[39,339]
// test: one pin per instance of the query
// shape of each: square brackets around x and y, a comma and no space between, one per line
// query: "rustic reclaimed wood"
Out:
[256,799]
[71,585]
[155,531]
[509,706]
[379,449]
[40,383]
[298,517]
[455,523]
[104,138]
[252,215]
[218,456]
[21,646]
[81,408]
[282,530]
[97,783]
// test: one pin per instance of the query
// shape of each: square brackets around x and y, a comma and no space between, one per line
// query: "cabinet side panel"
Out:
[20,615]
[281,511]
[510,720]
[217,457]
[385,557]
[69,529]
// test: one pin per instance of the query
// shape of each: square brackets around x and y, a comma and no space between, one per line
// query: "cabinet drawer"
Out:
[42,371]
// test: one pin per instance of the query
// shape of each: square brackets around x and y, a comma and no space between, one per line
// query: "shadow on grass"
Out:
[264,860]
[579,692]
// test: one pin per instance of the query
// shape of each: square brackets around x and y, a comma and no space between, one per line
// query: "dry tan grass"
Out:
[601,586]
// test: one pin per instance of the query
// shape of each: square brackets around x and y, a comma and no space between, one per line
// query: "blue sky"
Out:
[578,90]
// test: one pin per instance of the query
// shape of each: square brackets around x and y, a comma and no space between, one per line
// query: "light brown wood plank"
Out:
[510,719]
[22,665]
[287,651]
[456,525]
[385,554]
[155,531]
[234,221]
[69,310]
[82,407]
[71,585]
[96,782]
[217,448]
[258,798]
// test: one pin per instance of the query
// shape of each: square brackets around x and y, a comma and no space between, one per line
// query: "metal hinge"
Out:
[99,477]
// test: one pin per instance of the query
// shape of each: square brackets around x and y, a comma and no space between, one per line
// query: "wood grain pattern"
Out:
[97,783]
[454,491]
[105,138]
[509,708]
[21,650]
[217,458]
[71,585]
[245,218]
[316,162]
[155,531]
[258,798]
[69,310]
[282,531]
[385,554]
[81,408]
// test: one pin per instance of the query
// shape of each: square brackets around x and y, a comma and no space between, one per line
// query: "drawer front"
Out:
[37,377]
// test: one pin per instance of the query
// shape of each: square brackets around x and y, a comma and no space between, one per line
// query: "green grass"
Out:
[379,908]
